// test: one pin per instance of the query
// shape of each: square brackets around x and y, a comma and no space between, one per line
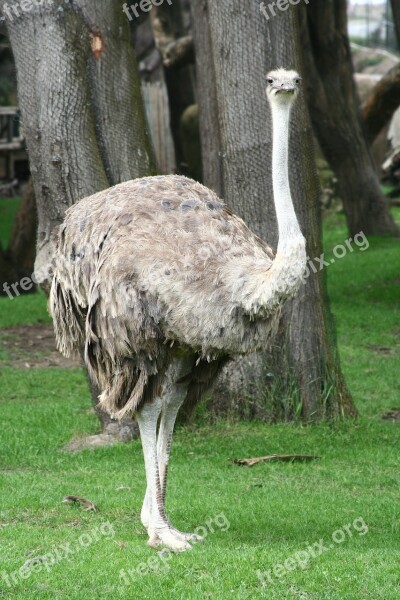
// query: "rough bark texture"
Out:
[81,105]
[83,119]
[383,102]
[207,98]
[301,377]
[333,104]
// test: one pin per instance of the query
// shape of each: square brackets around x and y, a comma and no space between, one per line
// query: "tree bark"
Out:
[383,102]
[300,377]
[83,119]
[17,261]
[80,99]
[211,143]
[333,104]
[22,246]
[167,24]
[8,274]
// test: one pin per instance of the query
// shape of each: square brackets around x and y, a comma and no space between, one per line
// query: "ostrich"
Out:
[161,285]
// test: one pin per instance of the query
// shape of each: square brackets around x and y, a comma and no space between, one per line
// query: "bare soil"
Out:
[32,347]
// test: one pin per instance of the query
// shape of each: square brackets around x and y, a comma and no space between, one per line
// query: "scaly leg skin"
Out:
[156,454]
[159,530]
[169,412]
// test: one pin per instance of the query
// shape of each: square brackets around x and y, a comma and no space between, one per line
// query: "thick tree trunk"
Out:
[302,370]
[17,261]
[333,104]
[22,246]
[211,142]
[383,102]
[80,99]
[83,118]
[396,17]
[8,275]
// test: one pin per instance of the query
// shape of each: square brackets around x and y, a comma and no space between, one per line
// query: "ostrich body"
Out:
[161,284]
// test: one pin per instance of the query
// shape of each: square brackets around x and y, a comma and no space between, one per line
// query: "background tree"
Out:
[302,375]
[82,110]
[335,115]
[396,18]
[16,261]
[379,108]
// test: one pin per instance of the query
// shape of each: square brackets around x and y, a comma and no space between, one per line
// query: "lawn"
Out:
[327,529]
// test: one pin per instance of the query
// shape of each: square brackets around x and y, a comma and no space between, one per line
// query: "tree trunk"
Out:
[396,17]
[17,261]
[8,275]
[80,99]
[333,104]
[301,375]
[211,143]
[167,24]
[22,246]
[383,102]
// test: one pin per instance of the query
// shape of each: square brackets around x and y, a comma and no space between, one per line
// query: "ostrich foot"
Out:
[172,538]
[166,537]
[188,537]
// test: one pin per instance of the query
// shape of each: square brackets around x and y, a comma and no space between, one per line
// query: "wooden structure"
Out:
[12,143]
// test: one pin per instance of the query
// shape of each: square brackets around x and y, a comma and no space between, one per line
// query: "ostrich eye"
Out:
[270,80]
[298,80]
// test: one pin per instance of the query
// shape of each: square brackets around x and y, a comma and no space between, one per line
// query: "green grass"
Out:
[8,210]
[273,510]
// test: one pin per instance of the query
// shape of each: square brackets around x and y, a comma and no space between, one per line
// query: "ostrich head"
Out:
[283,86]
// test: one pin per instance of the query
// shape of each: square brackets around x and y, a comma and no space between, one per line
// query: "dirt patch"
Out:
[31,347]
[392,415]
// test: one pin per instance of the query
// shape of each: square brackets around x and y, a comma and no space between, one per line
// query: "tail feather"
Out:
[126,379]
[68,320]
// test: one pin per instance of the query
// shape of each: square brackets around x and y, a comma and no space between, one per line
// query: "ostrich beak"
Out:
[287,88]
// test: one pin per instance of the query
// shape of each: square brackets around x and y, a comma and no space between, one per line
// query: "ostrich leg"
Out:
[153,512]
[159,530]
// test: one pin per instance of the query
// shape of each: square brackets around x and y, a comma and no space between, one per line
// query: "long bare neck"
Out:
[265,292]
[288,226]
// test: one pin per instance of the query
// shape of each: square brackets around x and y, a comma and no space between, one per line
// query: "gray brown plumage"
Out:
[151,268]
[161,284]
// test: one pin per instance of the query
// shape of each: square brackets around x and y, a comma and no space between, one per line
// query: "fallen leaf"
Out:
[249,462]
[86,504]
[381,349]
